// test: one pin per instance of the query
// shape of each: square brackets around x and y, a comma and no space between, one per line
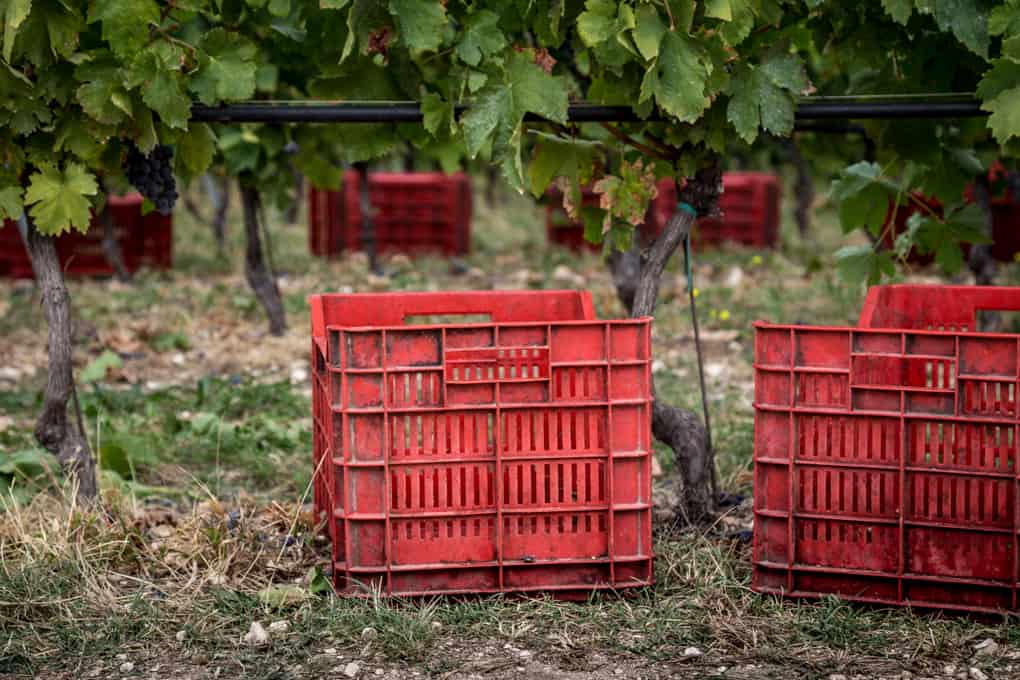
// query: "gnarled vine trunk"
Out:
[111,248]
[638,275]
[368,240]
[54,430]
[804,190]
[260,277]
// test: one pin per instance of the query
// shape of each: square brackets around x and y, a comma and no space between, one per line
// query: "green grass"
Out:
[206,446]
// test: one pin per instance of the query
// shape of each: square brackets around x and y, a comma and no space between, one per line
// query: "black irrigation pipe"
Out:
[820,109]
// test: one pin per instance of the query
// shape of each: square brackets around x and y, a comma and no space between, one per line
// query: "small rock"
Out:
[177,359]
[162,531]
[976,674]
[378,671]
[437,625]
[9,373]
[734,277]
[122,657]
[298,376]
[127,667]
[692,652]
[949,669]
[181,635]
[564,275]
[256,635]
[837,676]
[369,633]
[987,647]
[330,650]
[279,627]
[352,669]
[377,283]
[658,366]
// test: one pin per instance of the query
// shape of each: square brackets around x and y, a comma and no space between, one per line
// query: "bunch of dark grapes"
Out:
[153,176]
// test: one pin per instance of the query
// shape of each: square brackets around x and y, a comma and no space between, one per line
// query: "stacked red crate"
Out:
[414,213]
[145,240]
[512,455]
[886,456]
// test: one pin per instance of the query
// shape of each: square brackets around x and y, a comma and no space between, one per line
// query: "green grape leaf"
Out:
[499,109]
[227,68]
[11,204]
[102,95]
[1005,119]
[865,209]
[764,96]
[899,10]
[125,23]
[421,22]
[967,20]
[279,8]
[719,9]
[1004,20]
[51,29]
[59,200]
[571,160]
[196,149]
[436,112]
[333,4]
[482,38]
[597,23]
[860,264]
[157,72]
[677,78]
[739,28]
[14,14]
[648,31]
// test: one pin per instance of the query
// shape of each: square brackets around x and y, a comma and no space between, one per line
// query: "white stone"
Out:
[734,277]
[658,366]
[181,635]
[949,669]
[352,669]
[279,627]
[987,647]
[976,674]
[369,633]
[256,635]
[330,650]
[127,667]
[692,652]
[837,676]
[298,375]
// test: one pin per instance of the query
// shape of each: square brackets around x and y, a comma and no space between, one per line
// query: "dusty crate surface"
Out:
[886,465]
[488,457]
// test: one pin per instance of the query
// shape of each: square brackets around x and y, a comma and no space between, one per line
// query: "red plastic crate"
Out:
[415,212]
[506,456]
[750,205]
[886,461]
[145,240]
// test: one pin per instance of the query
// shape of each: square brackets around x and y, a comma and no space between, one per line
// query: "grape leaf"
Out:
[597,23]
[899,10]
[1004,20]
[196,148]
[157,70]
[499,109]
[677,78]
[858,264]
[227,68]
[648,31]
[967,20]
[435,112]
[719,9]
[421,22]
[1005,118]
[102,95]
[482,38]
[11,205]
[764,97]
[59,200]
[50,30]
[14,14]
[125,23]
